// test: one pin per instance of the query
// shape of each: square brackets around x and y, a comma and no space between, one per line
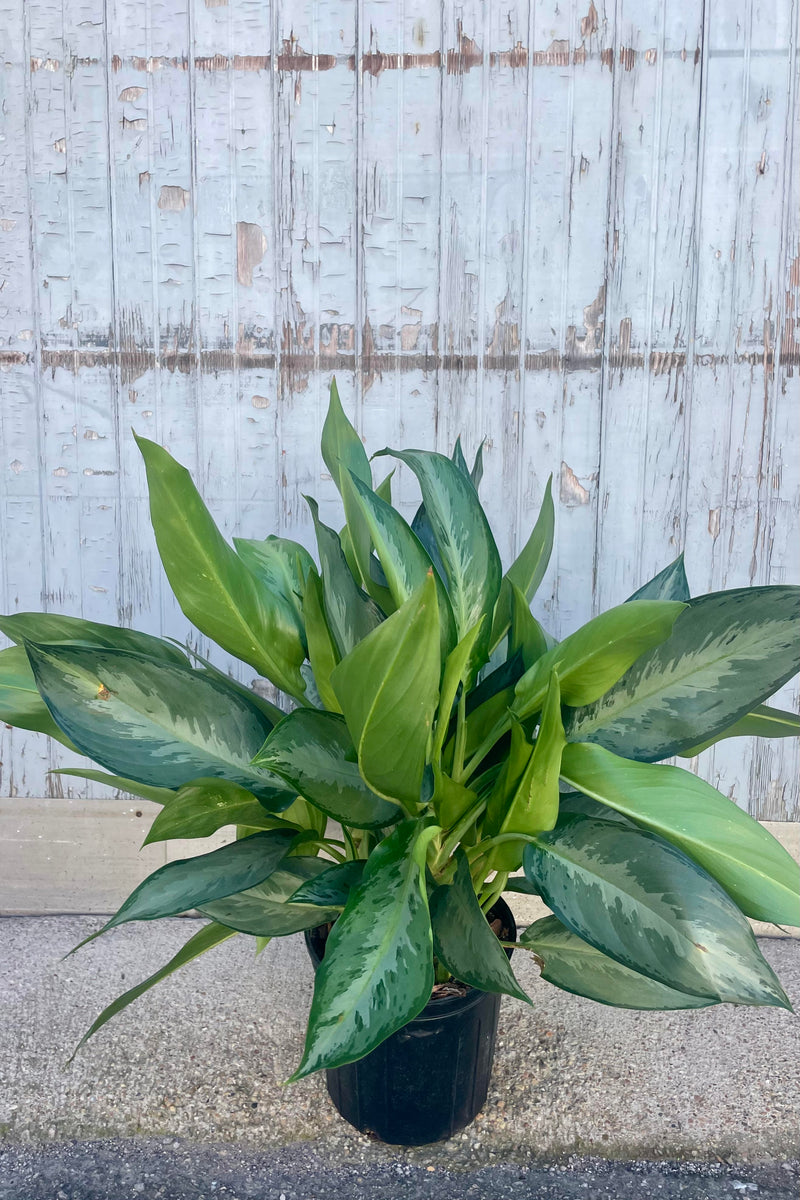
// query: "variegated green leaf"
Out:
[593,658]
[534,805]
[130,714]
[342,448]
[156,795]
[20,702]
[205,939]
[270,710]
[213,586]
[322,653]
[263,910]
[343,452]
[314,752]
[203,806]
[669,584]
[528,569]
[388,687]
[377,973]
[457,457]
[642,901]
[189,883]
[402,556]
[53,629]
[332,887]
[574,966]
[463,940]
[728,652]
[752,865]
[463,537]
[282,566]
[763,721]
[350,612]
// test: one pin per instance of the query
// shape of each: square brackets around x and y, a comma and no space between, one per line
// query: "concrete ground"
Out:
[173,1170]
[201,1057]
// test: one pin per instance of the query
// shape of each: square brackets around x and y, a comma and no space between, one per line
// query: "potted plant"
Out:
[435,739]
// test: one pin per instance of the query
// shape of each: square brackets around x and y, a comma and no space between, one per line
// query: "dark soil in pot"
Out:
[431,1078]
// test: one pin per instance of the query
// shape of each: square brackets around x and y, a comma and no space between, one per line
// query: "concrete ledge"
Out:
[81,856]
[202,1055]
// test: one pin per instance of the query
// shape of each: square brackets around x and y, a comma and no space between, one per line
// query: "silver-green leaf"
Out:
[377,973]
[641,900]
[728,652]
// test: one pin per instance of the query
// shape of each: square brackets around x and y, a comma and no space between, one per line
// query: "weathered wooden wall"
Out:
[569,226]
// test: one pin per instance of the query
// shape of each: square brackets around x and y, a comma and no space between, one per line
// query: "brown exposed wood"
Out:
[465,57]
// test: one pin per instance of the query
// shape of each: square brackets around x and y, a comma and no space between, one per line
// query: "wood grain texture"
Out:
[571,228]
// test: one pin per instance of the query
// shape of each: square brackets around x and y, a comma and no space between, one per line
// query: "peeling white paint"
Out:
[490,220]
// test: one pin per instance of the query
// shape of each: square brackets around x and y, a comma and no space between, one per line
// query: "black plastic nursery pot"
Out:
[431,1078]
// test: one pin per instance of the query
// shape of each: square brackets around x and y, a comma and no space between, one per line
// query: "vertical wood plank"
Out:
[549,130]
[571,228]
[23,756]
[399,153]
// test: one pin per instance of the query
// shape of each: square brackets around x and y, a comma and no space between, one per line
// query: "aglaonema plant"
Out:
[434,741]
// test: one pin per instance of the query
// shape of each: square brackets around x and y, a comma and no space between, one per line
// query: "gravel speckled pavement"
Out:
[185,1085]
[170,1170]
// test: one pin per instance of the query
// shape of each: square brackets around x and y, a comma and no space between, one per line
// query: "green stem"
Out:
[522,946]
[461,738]
[499,838]
[329,845]
[496,889]
[351,848]
[441,973]
[457,832]
[494,735]
[477,870]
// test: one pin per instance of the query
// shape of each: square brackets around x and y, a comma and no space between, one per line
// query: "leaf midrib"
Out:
[644,694]
[583,950]
[244,766]
[391,662]
[549,661]
[691,839]
[251,583]
[617,891]
[391,935]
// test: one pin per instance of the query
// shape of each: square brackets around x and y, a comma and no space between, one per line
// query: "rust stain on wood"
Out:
[556,55]
[516,57]
[293,59]
[336,352]
[467,55]
[376,62]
